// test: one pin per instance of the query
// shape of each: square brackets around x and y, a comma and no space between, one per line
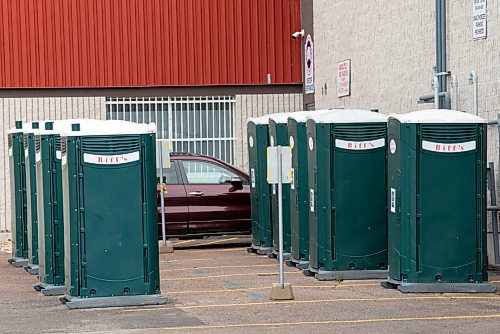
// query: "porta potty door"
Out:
[259,188]
[18,196]
[359,233]
[50,211]
[451,202]
[111,232]
[318,141]
[397,148]
[299,191]
[294,194]
[278,136]
[253,171]
[32,150]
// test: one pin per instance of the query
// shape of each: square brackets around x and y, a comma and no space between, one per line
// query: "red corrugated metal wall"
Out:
[127,43]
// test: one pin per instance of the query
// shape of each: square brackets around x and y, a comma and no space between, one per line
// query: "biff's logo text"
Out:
[449,147]
[110,159]
[360,145]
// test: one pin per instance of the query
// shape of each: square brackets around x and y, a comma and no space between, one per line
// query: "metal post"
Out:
[440,8]
[454,92]
[436,92]
[494,214]
[280,217]
[473,82]
[162,195]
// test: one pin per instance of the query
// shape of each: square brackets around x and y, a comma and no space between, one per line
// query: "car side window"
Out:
[202,172]
[169,175]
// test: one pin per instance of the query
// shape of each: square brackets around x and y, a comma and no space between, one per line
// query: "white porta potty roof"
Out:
[281,117]
[28,127]
[25,127]
[259,120]
[63,126]
[349,116]
[437,116]
[92,127]
[301,116]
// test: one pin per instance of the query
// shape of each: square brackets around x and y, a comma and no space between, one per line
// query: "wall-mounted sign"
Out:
[344,78]
[276,156]
[478,19]
[309,66]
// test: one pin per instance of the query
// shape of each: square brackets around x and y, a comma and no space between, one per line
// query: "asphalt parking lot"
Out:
[215,286]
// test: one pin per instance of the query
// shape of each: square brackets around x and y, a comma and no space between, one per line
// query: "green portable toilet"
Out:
[347,204]
[278,136]
[50,208]
[258,138]
[31,157]
[19,221]
[437,202]
[110,217]
[299,189]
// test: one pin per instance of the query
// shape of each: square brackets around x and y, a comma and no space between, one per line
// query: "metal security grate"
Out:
[367,131]
[25,140]
[62,144]
[200,125]
[110,144]
[57,143]
[449,133]
[37,144]
[9,140]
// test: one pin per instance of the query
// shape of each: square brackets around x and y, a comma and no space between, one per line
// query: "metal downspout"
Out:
[441,49]
[454,92]
[437,99]
[473,82]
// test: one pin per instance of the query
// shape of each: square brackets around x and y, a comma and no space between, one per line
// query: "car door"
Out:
[214,205]
[176,205]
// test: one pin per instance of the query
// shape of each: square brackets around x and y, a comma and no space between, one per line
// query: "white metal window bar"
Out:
[200,125]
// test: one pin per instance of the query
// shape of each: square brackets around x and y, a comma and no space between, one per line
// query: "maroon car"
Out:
[204,196]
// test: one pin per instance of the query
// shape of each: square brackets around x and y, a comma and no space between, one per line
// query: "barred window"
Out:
[200,125]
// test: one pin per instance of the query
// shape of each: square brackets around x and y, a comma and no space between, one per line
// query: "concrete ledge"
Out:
[406,287]
[309,272]
[299,264]
[275,255]
[259,250]
[32,269]
[50,289]
[350,274]
[277,293]
[119,301]
[164,248]
[264,250]
[18,262]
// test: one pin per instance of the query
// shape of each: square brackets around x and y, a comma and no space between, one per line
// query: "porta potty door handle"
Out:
[196,193]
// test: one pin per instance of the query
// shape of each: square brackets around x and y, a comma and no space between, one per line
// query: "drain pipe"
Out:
[473,82]
[454,92]
[441,47]
[435,83]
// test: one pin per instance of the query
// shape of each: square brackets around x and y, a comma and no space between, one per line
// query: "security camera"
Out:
[296,34]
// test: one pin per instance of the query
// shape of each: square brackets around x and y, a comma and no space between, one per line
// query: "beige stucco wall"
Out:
[255,106]
[391,44]
[32,109]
